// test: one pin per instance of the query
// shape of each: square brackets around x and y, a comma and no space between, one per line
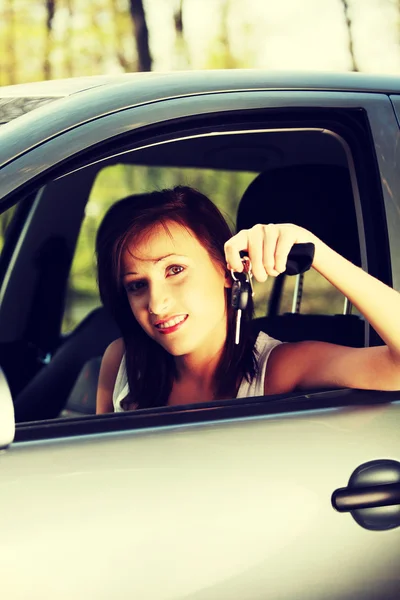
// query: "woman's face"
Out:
[176,292]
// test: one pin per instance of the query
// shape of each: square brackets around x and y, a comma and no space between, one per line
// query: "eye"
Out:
[134,287]
[175,269]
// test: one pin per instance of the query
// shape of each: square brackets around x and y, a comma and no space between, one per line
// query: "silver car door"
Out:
[236,507]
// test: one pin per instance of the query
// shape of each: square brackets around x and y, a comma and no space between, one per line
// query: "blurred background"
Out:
[54,39]
[47,39]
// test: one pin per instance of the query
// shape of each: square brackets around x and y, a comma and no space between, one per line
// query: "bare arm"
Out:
[379,303]
[305,365]
[367,368]
[108,374]
[318,364]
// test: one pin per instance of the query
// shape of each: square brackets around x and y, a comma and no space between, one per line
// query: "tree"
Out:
[181,48]
[144,60]
[223,53]
[349,25]
[119,19]
[50,10]
[10,18]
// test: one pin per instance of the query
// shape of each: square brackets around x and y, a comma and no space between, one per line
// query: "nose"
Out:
[159,299]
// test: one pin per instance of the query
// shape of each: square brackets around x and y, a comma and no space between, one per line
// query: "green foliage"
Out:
[97,37]
[89,38]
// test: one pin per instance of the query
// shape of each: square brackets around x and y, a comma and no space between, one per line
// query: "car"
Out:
[295,496]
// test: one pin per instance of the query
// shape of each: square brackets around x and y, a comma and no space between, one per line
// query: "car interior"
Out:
[291,175]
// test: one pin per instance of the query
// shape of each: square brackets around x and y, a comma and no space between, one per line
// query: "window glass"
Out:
[115,182]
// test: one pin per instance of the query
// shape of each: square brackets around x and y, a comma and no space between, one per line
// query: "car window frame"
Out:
[143,131]
[111,129]
[172,130]
[151,420]
[226,131]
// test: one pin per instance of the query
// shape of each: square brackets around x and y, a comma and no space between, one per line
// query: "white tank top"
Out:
[264,345]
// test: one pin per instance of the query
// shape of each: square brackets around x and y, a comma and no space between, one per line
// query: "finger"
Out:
[283,247]
[271,234]
[232,250]
[256,241]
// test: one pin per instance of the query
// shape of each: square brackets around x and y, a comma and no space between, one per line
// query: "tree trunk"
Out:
[178,20]
[117,15]
[181,48]
[144,60]
[50,10]
[349,25]
[11,61]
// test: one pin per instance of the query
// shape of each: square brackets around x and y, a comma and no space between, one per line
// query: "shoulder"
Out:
[111,361]
[114,352]
[286,366]
[108,373]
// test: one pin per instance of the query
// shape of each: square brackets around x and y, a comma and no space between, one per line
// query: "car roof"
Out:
[80,100]
[252,78]
[279,80]
[255,78]
[21,98]
[58,88]
[16,100]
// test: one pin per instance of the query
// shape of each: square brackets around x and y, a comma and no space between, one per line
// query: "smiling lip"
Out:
[173,328]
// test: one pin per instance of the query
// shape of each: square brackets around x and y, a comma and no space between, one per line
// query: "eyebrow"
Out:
[155,261]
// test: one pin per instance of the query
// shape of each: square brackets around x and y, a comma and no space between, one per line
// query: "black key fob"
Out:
[300,259]
[240,292]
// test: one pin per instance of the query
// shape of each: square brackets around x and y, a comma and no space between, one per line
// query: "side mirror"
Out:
[7,420]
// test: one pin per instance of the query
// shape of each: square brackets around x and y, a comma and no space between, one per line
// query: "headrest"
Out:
[317,197]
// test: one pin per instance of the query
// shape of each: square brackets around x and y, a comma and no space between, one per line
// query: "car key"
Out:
[242,287]
[240,296]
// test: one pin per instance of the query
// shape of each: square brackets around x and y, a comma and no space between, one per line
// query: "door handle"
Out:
[372,496]
[348,499]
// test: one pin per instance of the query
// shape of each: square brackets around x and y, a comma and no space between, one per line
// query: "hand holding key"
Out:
[298,258]
[268,248]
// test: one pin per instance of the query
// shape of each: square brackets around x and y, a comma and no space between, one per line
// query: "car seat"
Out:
[47,394]
[82,399]
[319,198]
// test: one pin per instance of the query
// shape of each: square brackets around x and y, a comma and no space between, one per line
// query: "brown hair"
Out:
[124,221]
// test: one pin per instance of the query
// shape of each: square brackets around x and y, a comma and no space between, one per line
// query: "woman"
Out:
[164,269]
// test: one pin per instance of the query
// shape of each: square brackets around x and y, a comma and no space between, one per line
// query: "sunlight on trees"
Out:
[40,39]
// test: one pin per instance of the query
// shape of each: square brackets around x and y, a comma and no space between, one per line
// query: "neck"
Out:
[198,368]
[197,371]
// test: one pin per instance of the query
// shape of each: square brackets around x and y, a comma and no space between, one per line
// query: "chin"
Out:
[178,349]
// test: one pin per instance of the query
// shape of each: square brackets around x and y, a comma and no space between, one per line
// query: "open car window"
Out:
[224,186]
